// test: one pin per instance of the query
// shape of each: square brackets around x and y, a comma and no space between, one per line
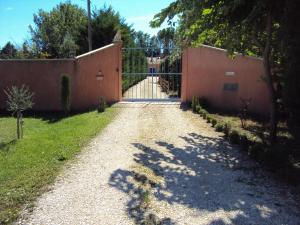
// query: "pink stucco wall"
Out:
[204,75]
[88,90]
[44,78]
[41,76]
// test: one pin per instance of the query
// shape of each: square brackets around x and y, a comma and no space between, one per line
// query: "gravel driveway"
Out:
[146,89]
[157,162]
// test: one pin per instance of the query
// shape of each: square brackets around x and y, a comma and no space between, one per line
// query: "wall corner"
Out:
[119,45]
[184,78]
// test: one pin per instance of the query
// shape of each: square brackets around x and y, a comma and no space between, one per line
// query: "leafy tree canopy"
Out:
[8,51]
[58,32]
[105,24]
[250,27]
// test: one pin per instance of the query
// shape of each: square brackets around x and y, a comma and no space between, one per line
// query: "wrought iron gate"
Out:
[151,74]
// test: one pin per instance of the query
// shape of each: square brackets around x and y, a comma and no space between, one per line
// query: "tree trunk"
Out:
[18,125]
[21,125]
[269,80]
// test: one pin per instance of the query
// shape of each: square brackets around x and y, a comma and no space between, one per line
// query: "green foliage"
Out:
[59,31]
[171,64]
[66,93]
[19,99]
[198,108]
[219,127]
[195,102]
[204,114]
[208,118]
[102,105]
[8,51]
[105,24]
[166,37]
[134,61]
[279,157]
[28,166]
[249,27]
[68,47]
[62,33]
[227,128]
[214,122]
[244,111]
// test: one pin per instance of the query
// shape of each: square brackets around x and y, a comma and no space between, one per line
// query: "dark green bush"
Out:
[66,93]
[204,114]
[227,128]
[195,102]
[208,118]
[219,127]
[234,136]
[198,108]
[214,122]
[201,111]
[102,105]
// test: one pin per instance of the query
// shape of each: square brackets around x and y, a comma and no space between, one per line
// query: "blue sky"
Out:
[17,15]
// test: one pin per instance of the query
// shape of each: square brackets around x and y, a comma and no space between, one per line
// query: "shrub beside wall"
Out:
[256,148]
[102,105]
[66,93]
[235,136]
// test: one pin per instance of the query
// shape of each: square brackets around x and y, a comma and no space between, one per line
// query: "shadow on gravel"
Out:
[208,175]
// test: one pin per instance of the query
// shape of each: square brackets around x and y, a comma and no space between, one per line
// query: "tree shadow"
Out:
[123,180]
[5,146]
[256,130]
[208,175]
[53,117]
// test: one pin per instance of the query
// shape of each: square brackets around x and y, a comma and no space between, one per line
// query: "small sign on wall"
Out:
[231,87]
[99,76]
[229,73]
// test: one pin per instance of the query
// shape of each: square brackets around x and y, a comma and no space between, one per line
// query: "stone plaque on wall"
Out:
[231,87]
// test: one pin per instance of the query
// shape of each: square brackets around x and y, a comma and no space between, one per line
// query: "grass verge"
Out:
[29,165]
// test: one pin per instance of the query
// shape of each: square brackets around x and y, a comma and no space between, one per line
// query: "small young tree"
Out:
[19,99]
[245,111]
[65,93]
[102,105]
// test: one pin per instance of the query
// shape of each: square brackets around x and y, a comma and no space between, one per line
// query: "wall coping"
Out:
[36,60]
[236,53]
[95,51]
[60,59]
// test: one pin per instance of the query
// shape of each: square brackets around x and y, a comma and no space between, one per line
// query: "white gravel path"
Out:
[205,180]
[146,89]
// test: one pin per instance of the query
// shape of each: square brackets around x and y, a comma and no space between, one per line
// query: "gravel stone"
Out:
[205,179]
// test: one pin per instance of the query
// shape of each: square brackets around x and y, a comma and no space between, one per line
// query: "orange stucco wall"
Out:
[44,78]
[88,90]
[41,76]
[204,75]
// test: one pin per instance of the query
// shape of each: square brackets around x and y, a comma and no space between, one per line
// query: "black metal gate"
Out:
[151,74]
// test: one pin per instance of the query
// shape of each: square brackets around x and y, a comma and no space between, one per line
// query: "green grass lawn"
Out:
[27,166]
